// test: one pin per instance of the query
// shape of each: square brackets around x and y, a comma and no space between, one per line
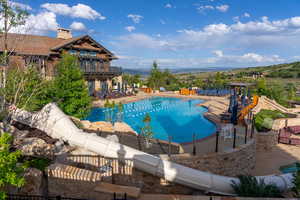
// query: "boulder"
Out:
[33,182]
[123,128]
[102,126]
[35,147]
[61,148]
[86,124]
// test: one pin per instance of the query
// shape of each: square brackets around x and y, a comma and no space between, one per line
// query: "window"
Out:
[82,65]
[73,52]
[93,66]
[94,54]
[84,53]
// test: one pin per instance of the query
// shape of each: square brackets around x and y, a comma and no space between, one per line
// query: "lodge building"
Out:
[45,52]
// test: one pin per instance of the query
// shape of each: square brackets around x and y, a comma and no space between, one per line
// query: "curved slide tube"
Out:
[58,125]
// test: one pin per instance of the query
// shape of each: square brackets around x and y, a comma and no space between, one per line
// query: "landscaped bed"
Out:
[265,118]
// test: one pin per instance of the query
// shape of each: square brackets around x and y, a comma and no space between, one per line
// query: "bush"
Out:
[264,119]
[11,171]
[249,186]
[38,163]
[26,89]
[296,182]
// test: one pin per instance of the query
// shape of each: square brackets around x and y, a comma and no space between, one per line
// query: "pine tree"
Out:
[70,90]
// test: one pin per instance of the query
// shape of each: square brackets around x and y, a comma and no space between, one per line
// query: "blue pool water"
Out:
[175,117]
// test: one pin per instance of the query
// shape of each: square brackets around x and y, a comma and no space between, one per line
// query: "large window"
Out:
[93,54]
[73,52]
[93,65]
[84,53]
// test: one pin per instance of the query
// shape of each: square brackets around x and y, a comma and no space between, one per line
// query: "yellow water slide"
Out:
[244,112]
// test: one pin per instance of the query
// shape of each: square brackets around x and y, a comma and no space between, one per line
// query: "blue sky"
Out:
[178,33]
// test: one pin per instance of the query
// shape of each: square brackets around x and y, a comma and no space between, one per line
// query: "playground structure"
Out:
[58,125]
[245,111]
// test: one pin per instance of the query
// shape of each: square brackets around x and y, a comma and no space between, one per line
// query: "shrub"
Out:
[26,89]
[264,119]
[11,171]
[38,163]
[296,182]
[249,186]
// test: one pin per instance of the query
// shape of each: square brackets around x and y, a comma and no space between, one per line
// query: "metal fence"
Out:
[37,197]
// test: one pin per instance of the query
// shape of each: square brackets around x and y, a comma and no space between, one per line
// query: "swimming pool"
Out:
[175,117]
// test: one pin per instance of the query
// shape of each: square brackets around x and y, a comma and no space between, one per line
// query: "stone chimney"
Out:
[63,33]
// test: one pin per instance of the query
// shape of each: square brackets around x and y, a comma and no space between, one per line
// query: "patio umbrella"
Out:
[122,87]
[233,118]
[106,87]
[231,103]
[243,100]
[119,87]
[125,87]
[249,93]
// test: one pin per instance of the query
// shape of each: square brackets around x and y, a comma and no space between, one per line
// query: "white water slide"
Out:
[58,125]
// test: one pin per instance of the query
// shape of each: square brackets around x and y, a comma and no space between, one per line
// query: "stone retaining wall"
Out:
[239,161]
[266,141]
[156,147]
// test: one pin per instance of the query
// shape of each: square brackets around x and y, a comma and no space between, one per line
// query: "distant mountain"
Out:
[145,72]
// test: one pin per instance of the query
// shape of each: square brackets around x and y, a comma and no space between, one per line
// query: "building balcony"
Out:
[100,71]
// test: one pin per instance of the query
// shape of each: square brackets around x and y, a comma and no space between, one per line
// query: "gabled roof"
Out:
[74,40]
[43,45]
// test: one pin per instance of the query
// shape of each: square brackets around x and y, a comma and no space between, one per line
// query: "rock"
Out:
[86,124]
[61,148]
[18,134]
[124,128]
[33,182]
[36,147]
[113,138]
[102,126]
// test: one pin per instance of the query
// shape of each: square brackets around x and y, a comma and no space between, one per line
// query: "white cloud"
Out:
[253,37]
[20,5]
[247,14]
[142,40]
[217,29]
[222,8]
[78,26]
[202,9]
[244,60]
[236,18]
[135,18]
[39,24]
[130,28]
[77,11]
[218,53]
[168,5]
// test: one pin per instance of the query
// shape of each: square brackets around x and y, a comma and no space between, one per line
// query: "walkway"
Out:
[269,162]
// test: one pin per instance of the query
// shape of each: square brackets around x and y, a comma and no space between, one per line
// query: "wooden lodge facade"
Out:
[45,52]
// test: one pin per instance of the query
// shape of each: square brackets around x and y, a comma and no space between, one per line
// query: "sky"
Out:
[177,33]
